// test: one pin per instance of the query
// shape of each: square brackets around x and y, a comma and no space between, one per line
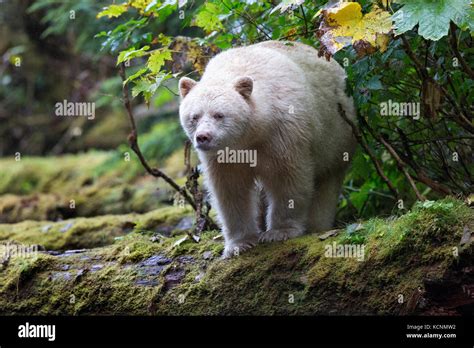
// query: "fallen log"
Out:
[418,263]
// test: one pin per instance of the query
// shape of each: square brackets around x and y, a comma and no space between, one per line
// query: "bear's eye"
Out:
[195,117]
[218,116]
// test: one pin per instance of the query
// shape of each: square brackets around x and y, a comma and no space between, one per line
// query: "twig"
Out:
[305,21]
[133,141]
[402,166]
[454,48]
[202,220]
[421,175]
[400,163]
[249,19]
[367,149]
[460,119]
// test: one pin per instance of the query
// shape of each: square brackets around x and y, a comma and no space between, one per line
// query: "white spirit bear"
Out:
[281,102]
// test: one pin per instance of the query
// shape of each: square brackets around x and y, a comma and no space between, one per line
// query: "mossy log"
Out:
[82,185]
[417,263]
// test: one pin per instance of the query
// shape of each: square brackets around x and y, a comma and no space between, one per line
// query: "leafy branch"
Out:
[203,220]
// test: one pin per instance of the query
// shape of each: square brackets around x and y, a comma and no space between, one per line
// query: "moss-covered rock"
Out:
[417,263]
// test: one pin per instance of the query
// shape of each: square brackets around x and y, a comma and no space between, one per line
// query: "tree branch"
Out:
[202,220]
[454,48]
[367,149]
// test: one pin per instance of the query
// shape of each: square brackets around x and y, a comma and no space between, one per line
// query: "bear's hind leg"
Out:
[324,204]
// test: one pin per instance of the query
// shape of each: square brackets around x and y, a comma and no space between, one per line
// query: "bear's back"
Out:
[276,61]
[257,61]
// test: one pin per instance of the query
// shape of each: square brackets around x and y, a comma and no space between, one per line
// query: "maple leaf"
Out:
[157,59]
[433,17]
[344,24]
[113,11]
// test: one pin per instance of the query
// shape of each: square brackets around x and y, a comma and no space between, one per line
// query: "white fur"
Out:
[300,154]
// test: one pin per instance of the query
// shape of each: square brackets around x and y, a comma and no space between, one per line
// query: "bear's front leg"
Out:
[289,200]
[235,200]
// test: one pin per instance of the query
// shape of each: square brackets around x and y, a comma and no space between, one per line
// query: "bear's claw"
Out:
[279,235]
[235,249]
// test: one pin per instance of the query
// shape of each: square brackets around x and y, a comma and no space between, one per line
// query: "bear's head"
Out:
[215,116]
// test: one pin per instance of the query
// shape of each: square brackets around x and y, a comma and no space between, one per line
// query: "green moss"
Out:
[291,277]
[87,184]
[88,232]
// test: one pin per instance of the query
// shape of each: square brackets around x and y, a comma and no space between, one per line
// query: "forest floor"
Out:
[102,260]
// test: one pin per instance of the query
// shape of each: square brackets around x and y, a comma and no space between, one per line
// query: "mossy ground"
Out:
[87,184]
[149,270]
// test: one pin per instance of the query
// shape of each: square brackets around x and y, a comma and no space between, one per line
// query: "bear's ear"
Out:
[244,85]
[185,85]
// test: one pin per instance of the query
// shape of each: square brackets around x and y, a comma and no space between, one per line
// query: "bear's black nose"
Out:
[203,138]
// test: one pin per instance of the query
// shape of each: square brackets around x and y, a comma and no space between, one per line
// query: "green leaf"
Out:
[374,83]
[113,11]
[136,75]
[149,87]
[433,17]
[141,86]
[208,18]
[132,53]
[157,59]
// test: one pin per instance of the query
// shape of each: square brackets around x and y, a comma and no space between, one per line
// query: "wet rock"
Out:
[72,252]
[207,255]
[173,278]
[156,238]
[466,237]
[65,267]
[75,251]
[58,276]
[198,278]
[153,266]
[185,259]
[328,234]
[46,228]
[147,282]
[164,230]
[79,274]
[95,268]
[66,227]
[53,252]
[186,223]
[156,260]
[151,270]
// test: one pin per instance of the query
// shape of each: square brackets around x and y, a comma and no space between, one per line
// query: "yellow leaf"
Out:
[382,42]
[140,5]
[113,11]
[344,13]
[344,25]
